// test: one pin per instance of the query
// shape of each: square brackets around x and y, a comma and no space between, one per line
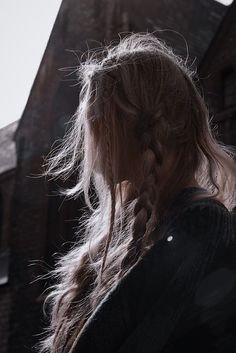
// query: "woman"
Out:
[153,267]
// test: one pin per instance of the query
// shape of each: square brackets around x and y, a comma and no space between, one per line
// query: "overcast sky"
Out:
[225,2]
[25,26]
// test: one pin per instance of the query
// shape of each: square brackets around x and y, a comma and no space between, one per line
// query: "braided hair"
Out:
[145,210]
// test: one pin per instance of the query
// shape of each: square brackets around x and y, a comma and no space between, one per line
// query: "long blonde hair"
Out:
[140,134]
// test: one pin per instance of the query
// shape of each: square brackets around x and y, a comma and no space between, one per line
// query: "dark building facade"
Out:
[218,76]
[43,223]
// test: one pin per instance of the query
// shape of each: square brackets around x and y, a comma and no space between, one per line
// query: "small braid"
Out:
[145,208]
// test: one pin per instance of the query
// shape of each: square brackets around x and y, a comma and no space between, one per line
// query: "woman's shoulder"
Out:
[204,225]
[197,199]
[194,203]
[205,211]
[205,217]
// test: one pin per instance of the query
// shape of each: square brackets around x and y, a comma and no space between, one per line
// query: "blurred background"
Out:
[39,42]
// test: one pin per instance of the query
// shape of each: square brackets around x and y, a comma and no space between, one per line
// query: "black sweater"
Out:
[181,297]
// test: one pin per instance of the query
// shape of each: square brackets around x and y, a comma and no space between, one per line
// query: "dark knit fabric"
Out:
[181,297]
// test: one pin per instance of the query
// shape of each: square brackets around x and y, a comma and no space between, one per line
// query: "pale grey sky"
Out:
[225,2]
[25,26]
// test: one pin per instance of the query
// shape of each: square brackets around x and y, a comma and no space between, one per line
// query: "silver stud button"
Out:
[169,238]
